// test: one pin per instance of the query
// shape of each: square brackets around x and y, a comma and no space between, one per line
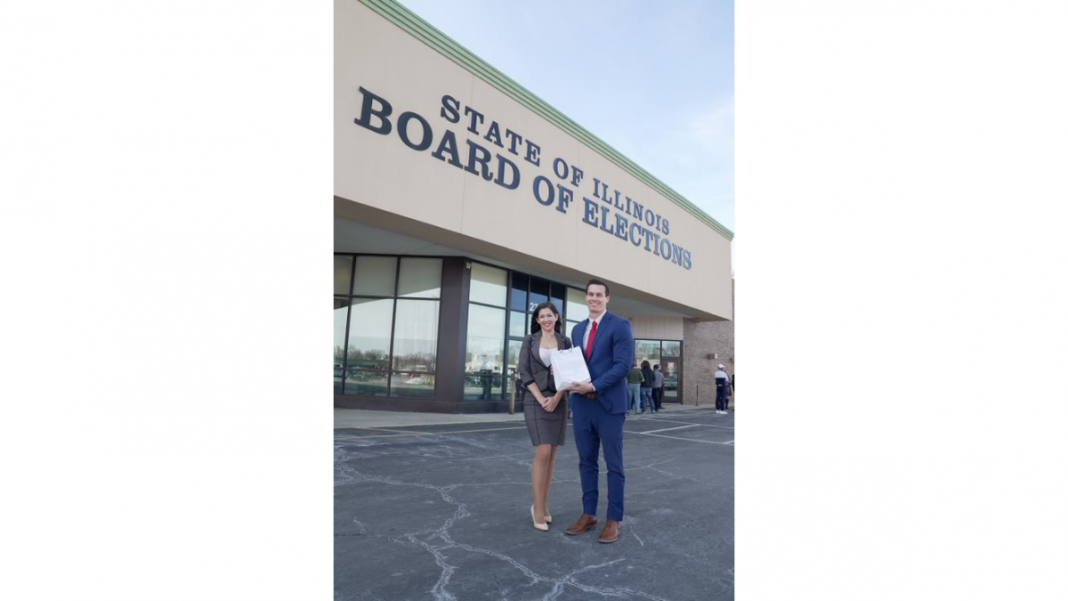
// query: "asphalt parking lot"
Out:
[442,512]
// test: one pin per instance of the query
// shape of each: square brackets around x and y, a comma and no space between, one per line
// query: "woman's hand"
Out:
[553,401]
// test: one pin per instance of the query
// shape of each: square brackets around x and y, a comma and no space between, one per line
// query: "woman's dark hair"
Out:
[535,326]
[645,365]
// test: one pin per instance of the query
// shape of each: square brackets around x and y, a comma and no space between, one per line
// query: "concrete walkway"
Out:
[361,418]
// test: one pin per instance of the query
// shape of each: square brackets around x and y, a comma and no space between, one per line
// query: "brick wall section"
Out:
[703,339]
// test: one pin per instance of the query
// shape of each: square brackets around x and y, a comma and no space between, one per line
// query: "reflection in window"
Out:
[539,293]
[569,327]
[415,337]
[671,380]
[367,383]
[488,285]
[576,305]
[519,291]
[483,387]
[341,314]
[420,278]
[369,329]
[485,340]
[342,274]
[414,385]
[375,276]
[513,354]
[672,348]
[557,297]
[485,345]
[647,350]
[519,326]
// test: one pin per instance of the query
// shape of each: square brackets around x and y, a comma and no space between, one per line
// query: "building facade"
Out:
[461,201]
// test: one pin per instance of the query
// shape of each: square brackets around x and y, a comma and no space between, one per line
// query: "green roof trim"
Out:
[431,36]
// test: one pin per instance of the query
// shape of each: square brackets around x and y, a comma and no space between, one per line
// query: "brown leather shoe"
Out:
[610,534]
[583,524]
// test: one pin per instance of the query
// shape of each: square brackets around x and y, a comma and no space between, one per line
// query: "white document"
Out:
[569,367]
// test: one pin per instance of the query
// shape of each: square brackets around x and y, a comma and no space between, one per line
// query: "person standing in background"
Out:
[722,382]
[658,387]
[647,386]
[634,382]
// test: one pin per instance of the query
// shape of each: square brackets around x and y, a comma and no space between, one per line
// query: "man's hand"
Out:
[584,388]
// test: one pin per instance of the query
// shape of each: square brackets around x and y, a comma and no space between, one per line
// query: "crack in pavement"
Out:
[439,591]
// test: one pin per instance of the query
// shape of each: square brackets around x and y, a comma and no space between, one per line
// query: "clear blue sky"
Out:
[655,80]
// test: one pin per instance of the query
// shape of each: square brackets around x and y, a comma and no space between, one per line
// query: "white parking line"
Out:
[677,438]
[675,428]
[671,421]
[659,419]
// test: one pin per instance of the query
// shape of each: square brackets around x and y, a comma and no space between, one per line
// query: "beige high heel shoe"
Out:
[548,519]
[543,526]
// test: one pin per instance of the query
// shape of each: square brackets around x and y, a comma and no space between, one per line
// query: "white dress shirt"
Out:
[546,355]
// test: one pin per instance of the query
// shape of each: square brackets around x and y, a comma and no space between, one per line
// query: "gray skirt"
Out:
[545,427]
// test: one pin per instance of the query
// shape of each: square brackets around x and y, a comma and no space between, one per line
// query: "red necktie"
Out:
[589,344]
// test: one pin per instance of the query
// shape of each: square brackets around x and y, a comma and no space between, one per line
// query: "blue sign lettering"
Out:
[631,217]
[537,187]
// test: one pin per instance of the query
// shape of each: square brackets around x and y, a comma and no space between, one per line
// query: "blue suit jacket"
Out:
[610,361]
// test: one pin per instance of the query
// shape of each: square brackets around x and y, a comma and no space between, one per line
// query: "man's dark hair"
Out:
[597,283]
[657,366]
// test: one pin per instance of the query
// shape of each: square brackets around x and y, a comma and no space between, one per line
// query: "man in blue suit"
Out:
[599,408]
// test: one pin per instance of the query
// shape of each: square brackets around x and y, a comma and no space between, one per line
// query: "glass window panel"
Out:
[647,350]
[342,274]
[375,276]
[671,381]
[569,326]
[366,383]
[489,285]
[341,314]
[519,291]
[483,387]
[485,340]
[513,354]
[576,305]
[415,385]
[420,278]
[415,337]
[369,328]
[672,348]
[557,297]
[520,324]
[539,292]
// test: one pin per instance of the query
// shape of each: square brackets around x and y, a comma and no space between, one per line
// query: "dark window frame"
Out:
[393,322]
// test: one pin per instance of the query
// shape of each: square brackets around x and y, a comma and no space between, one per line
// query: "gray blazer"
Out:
[531,369]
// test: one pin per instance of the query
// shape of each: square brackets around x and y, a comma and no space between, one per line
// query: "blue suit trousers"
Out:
[595,428]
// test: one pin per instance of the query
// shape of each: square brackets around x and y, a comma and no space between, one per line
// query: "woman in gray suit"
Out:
[544,408]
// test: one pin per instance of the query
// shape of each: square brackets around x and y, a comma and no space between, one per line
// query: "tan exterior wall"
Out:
[706,345]
[703,339]
[656,327]
[379,178]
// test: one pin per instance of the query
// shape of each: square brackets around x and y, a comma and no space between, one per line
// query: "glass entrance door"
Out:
[672,378]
